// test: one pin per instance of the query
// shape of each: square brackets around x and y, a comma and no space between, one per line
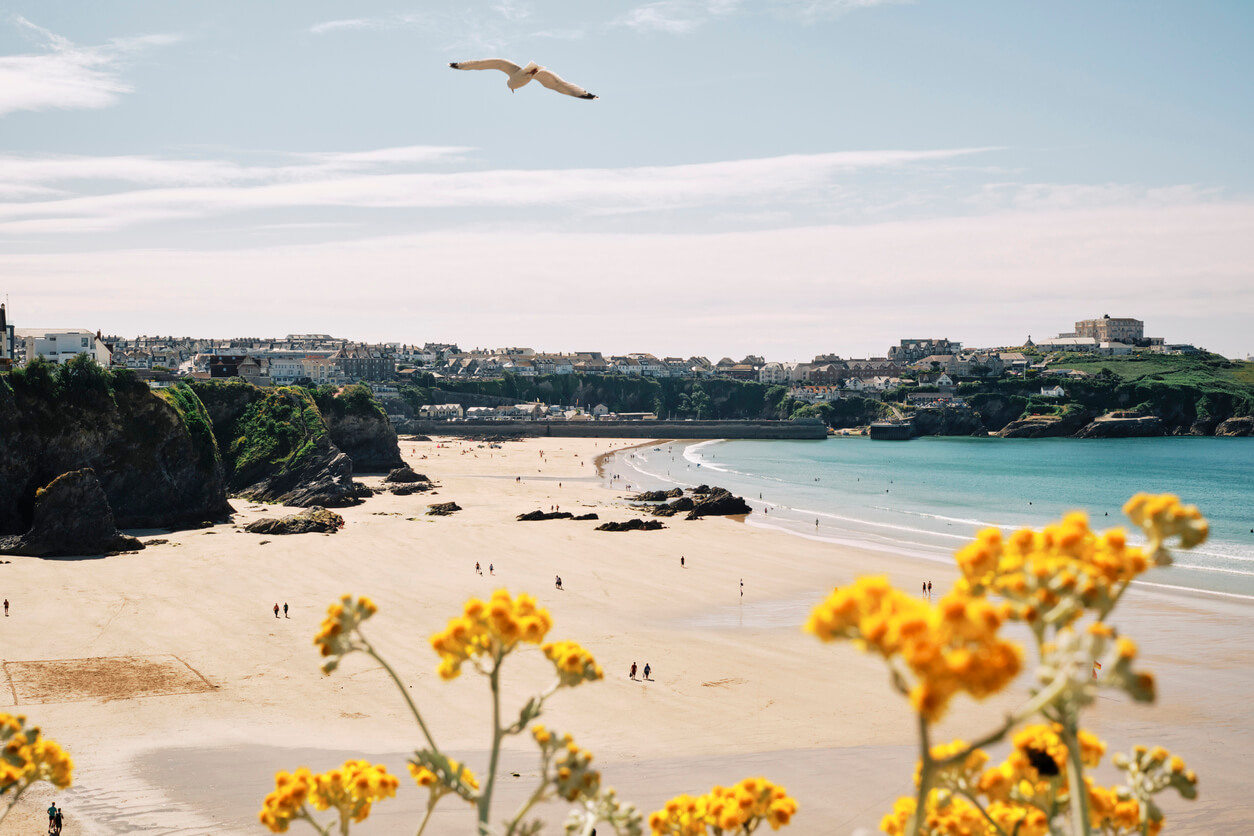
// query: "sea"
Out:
[928,496]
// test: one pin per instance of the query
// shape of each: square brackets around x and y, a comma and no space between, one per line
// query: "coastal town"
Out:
[931,368]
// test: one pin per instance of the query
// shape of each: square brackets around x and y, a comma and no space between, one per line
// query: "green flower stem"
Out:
[485,798]
[13,802]
[925,778]
[1036,704]
[400,686]
[431,802]
[1075,782]
[969,797]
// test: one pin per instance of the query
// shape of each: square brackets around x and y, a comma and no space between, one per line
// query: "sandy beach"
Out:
[179,694]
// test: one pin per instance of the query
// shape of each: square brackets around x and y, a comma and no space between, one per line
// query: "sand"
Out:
[179,694]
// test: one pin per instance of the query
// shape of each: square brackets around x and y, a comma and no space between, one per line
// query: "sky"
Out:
[775,177]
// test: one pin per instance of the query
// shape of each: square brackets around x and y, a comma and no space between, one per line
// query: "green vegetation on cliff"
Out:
[355,400]
[196,418]
[276,431]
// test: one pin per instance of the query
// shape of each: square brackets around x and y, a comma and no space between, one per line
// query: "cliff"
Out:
[1236,427]
[276,447]
[71,517]
[360,427]
[1145,426]
[152,459]
[947,421]
[1047,426]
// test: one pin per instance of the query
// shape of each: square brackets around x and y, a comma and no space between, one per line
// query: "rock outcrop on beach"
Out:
[536,516]
[442,509]
[360,427]
[635,524]
[1142,426]
[720,502]
[404,474]
[591,515]
[1243,426]
[658,496]
[409,488]
[276,447]
[154,456]
[71,517]
[311,520]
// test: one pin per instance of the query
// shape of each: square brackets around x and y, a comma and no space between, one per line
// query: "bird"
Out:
[519,76]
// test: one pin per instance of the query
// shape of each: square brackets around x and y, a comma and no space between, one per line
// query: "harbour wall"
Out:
[802,429]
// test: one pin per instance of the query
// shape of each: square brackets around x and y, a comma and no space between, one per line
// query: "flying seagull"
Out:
[518,76]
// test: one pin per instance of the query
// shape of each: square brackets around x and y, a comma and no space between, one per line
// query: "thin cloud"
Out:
[67,76]
[675,17]
[205,188]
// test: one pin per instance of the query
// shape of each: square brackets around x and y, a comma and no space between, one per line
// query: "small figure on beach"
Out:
[6,607]
[276,609]
[646,670]
[285,609]
[681,561]
[929,589]
[925,589]
[52,814]
[478,570]
[633,671]
[558,581]
[816,523]
[491,569]
[742,587]
[57,821]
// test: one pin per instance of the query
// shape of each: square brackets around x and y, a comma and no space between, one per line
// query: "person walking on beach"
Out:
[742,587]
[633,671]
[929,589]
[646,670]
[478,571]
[6,607]
[925,589]
[681,561]
[57,821]
[285,615]
[276,609]
[52,815]
[558,581]
[491,569]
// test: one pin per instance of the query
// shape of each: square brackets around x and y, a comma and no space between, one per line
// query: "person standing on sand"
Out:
[52,815]
[681,561]
[633,671]
[646,670]
[929,589]
[491,569]
[57,821]
[276,609]
[742,587]
[285,615]
[478,571]
[6,607]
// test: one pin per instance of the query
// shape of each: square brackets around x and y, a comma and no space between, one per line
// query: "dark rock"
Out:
[156,541]
[411,488]
[656,496]
[701,489]
[442,509]
[359,426]
[157,462]
[1243,426]
[947,421]
[71,517]
[590,516]
[1045,426]
[362,491]
[405,474]
[664,511]
[635,524]
[675,492]
[684,503]
[311,520]
[535,516]
[719,503]
[1142,426]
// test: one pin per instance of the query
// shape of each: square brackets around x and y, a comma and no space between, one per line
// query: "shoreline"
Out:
[738,689]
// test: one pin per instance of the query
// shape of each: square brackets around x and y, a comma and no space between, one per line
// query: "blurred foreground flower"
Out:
[28,758]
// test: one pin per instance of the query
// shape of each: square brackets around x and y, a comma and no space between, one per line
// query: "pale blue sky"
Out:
[784,177]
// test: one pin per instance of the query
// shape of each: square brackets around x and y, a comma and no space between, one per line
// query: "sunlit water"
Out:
[927,496]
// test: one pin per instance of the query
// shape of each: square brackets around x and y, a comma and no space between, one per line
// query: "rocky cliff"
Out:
[947,421]
[71,517]
[154,462]
[1046,426]
[1146,426]
[276,447]
[1243,426]
[360,427]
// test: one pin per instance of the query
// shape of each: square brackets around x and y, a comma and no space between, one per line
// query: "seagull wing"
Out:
[553,81]
[507,67]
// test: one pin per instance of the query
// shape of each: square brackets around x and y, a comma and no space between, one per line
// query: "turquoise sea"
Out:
[928,496]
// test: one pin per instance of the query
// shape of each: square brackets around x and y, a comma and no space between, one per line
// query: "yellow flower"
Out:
[574,664]
[727,809]
[492,629]
[350,790]
[28,757]
[950,647]
[334,637]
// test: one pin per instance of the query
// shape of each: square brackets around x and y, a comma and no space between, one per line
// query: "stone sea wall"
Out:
[802,429]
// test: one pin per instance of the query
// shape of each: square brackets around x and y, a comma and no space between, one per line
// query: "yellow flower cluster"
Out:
[572,775]
[947,815]
[1057,572]
[489,629]
[458,778]
[29,757]
[1163,516]
[951,647]
[1036,764]
[350,790]
[334,638]
[574,664]
[726,809]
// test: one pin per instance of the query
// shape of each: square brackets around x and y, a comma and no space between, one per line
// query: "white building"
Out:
[440,411]
[776,373]
[1053,392]
[63,345]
